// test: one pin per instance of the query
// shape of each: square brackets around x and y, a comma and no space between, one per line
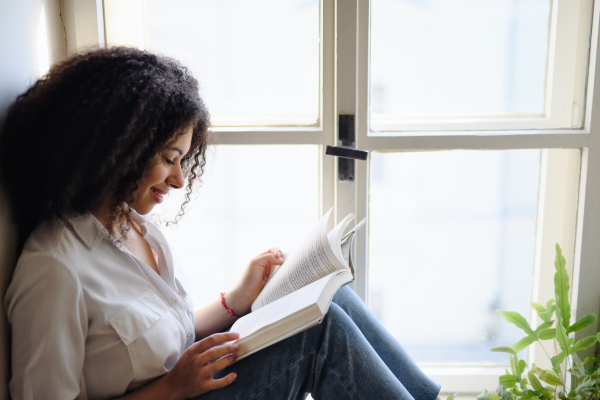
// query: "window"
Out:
[483,140]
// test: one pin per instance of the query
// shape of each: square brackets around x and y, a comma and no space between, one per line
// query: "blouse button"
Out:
[174,301]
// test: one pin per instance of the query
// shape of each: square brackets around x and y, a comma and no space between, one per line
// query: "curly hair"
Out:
[94,125]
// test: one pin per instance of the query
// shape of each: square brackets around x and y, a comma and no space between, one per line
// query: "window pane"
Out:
[452,240]
[459,58]
[257,61]
[252,198]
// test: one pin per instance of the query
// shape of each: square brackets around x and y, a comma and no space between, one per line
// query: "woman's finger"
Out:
[267,259]
[221,363]
[217,352]
[214,340]
[272,250]
[221,383]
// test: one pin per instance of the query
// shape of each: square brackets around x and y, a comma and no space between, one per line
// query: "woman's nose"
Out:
[176,180]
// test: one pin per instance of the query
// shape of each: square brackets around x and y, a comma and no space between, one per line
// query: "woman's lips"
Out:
[158,195]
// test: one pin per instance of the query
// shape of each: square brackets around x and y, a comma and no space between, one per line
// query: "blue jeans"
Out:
[350,355]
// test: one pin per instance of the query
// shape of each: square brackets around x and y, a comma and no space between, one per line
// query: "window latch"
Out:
[346,151]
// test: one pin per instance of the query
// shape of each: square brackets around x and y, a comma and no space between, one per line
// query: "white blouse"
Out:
[90,320]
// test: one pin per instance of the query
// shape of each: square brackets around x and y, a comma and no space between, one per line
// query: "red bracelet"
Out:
[229,310]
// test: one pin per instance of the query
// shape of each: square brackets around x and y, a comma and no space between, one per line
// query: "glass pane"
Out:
[257,61]
[252,198]
[459,58]
[452,240]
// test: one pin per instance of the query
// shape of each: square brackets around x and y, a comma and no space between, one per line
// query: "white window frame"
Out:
[564,89]
[568,186]
[570,182]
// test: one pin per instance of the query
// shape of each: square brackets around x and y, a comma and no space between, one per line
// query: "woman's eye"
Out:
[168,161]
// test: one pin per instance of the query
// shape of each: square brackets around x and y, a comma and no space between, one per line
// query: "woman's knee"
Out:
[337,321]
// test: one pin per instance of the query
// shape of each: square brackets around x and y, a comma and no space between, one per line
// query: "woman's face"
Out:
[165,175]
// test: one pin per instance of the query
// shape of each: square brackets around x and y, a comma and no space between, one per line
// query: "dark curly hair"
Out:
[93,125]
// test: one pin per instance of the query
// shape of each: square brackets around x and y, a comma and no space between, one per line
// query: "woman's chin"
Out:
[142,209]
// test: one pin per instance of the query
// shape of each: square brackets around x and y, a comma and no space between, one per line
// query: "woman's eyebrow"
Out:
[177,149]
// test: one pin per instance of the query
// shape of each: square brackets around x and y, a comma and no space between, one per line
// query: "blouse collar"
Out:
[91,231]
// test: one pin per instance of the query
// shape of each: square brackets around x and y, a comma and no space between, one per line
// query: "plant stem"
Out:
[542,346]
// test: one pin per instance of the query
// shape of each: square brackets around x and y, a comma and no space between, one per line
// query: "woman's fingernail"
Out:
[236,347]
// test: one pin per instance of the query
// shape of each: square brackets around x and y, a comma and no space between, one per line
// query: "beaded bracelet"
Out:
[229,310]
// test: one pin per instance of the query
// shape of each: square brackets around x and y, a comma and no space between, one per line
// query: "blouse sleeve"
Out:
[46,309]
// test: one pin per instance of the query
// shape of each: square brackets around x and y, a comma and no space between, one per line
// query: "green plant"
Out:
[550,384]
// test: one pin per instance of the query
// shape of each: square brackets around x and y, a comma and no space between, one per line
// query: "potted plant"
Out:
[548,384]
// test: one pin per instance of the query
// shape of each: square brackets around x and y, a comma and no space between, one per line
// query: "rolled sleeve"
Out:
[48,317]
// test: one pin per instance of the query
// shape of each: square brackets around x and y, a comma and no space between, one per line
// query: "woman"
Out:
[98,307]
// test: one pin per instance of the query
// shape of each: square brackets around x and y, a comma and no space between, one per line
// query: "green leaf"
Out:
[549,376]
[543,326]
[537,307]
[518,320]
[578,365]
[562,338]
[521,368]
[452,397]
[513,365]
[591,360]
[504,349]
[556,360]
[485,396]
[508,381]
[561,288]
[521,344]
[583,322]
[583,344]
[535,382]
[504,394]
[547,315]
[547,334]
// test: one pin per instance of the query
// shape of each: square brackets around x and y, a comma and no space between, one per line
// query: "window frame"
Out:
[344,89]
[566,73]
[569,225]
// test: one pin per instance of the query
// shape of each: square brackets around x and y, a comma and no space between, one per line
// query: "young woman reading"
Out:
[98,307]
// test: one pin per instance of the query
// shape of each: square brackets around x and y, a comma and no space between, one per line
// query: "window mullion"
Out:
[346,26]
[327,105]
[586,274]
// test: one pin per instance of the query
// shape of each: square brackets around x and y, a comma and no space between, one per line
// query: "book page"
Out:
[335,236]
[347,250]
[312,260]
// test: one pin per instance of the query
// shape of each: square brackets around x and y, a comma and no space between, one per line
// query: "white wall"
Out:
[31,38]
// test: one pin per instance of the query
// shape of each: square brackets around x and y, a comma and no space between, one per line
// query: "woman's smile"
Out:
[158,194]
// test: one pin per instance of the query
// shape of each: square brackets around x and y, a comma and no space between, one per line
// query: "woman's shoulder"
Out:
[45,238]
[42,270]
[65,239]
[55,247]
[47,245]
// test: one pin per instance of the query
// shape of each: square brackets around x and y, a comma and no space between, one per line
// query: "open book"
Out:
[297,294]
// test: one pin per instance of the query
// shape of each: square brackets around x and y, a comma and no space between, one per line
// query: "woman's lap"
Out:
[331,360]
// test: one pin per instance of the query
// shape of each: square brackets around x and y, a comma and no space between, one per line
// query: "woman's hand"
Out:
[253,280]
[192,375]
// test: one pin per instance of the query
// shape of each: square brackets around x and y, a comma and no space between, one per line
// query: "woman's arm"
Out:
[48,318]
[213,318]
